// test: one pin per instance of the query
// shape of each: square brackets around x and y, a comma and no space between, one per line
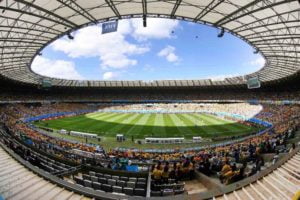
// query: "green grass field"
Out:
[149,125]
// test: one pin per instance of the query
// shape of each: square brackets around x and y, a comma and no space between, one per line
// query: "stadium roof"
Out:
[270,26]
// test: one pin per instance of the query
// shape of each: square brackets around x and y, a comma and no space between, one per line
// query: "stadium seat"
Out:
[128,191]
[78,180]
[96,185]
[111,182]
[102,180]
[94,178]
[131,184]
[141,185]
[124,178]
[117,189]
[87,183]
[99,175]
[115,177]
[167,192]
[132,179]
[121,183]
[91,173]
[106,188]
[141,180]
[86,177]
[107,176]
[139,192]
[155,193]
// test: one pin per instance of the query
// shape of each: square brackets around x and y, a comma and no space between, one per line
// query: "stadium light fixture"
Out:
[144,21]
[256,51]
[221,34]
[70,36]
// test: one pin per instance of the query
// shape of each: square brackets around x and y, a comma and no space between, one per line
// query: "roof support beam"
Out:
[212,5]
[78,9]
[113,8]
[177,3]
[243,11]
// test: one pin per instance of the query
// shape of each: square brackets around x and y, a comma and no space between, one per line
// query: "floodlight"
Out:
[221,34]
[70,36]
[144,21]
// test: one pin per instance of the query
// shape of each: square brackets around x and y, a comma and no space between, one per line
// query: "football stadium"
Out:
[172,99]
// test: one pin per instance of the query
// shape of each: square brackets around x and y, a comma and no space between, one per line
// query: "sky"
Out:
[166,49]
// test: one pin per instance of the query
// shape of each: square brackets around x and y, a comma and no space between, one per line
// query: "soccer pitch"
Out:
[149,125]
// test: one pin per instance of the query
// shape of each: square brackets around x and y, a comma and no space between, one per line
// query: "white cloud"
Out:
[110,75]
[169,53]
[55,68]
[259,62]
[112,49]
[156,28]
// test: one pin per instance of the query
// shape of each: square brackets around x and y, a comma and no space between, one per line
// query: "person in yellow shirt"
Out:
[165,173]
[157,174]
[296,196]
[225,171]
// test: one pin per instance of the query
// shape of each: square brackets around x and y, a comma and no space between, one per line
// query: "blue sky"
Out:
[166,49]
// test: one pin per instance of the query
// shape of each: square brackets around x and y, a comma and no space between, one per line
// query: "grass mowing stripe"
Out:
[159,129]
[95,126]
[114,122]
[70,124]
[223,125]
[148,128]
[171,129]
[136,130]
[195,125]
[122,122]
[182,127]
[92,122]
[233,124]
[213,124]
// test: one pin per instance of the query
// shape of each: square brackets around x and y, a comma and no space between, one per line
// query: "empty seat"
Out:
[87,183]
[121,183]
[97,186]
[115,177]
[139,192]
[130,184]
[171,180]
[107,176]
[180,191]
[167,192]
[99,175]
[92,173]
[141,185]
[78,180]
[128,191]
[111,182]
[155,193]
[141,180]
[117,189]
[124,178]
[86,177]
[102,180]
[106,188]
[94,178]
[132,179]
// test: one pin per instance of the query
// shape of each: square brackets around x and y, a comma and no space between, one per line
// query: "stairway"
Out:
[18,183]
[280,184]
